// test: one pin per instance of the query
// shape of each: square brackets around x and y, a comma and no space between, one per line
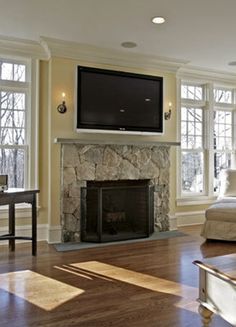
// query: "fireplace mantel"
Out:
[105,142]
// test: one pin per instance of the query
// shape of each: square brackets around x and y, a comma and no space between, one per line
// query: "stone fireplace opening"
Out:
[116,210]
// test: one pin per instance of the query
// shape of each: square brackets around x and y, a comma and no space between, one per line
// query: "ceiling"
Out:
[201,32]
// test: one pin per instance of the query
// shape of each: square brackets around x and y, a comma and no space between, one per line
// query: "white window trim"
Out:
[209,104]
[31,87]
[33,120]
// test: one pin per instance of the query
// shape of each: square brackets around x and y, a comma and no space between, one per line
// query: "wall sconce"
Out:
[168,113]
[62,107]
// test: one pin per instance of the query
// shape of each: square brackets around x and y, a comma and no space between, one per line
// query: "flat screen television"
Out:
[115,101]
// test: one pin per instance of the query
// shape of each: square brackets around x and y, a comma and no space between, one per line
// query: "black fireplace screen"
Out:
[116,210]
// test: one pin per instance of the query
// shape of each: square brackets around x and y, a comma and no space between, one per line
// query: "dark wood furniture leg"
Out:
[12,226]
[34,226]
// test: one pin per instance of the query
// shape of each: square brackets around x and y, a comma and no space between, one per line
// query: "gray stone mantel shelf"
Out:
[105,142]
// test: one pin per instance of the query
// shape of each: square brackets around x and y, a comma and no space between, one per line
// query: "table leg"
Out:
[12,226]
[206,315]
[34,226]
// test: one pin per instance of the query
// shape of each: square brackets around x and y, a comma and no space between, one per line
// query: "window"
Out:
[207,138]
[192,157]
[14,107]
[223,131]
[193,92]
[223,96]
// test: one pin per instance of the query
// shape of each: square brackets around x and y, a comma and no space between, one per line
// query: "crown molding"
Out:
[50,47]
[88,53]
[21,48]
[209,75]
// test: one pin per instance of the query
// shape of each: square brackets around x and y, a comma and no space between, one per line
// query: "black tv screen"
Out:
[119,101]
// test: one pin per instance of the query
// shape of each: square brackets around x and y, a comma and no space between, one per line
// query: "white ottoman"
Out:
[220,221]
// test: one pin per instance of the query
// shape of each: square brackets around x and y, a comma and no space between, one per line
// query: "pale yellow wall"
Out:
[62,74]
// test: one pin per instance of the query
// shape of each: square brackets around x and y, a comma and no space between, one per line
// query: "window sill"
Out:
[195,200]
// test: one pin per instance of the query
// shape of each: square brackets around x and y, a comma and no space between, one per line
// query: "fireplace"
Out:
[116,210]
[90,171]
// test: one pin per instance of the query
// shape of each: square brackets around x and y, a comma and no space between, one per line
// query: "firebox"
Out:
[116,210]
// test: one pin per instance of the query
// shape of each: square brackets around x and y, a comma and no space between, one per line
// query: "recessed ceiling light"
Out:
[232,63]
[129,44]
[158,20]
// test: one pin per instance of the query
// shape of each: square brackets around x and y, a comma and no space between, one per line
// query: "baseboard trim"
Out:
[190,218]
[51,234]
[26,230]
[173,222]
[54,234]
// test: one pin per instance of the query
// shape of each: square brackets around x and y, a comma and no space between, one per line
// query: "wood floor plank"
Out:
[151,283]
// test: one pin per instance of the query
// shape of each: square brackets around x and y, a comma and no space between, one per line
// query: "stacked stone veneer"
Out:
[82,163]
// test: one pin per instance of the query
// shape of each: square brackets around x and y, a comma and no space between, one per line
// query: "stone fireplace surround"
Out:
[98,162]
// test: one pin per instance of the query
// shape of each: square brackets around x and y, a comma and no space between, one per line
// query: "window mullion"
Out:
[210,140]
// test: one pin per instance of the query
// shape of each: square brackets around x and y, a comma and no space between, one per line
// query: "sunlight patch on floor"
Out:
[81,272]
[42,291]
[186,293]
[69,270]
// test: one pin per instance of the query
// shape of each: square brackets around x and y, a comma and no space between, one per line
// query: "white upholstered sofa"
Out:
[220,223]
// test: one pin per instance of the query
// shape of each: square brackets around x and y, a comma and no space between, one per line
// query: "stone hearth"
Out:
[99,162]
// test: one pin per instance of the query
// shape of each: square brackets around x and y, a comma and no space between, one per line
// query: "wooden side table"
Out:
[10,198]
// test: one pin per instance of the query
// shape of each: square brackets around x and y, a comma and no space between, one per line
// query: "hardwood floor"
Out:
[151,283]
